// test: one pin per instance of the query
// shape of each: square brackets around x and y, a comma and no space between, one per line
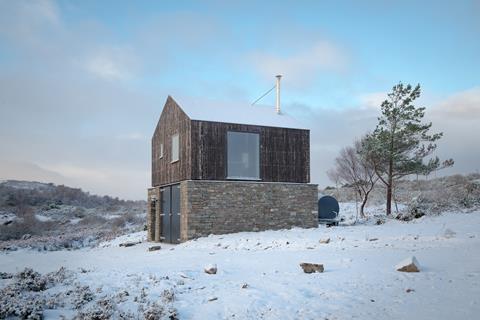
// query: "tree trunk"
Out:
[364,202]
[389,187]
[389,200]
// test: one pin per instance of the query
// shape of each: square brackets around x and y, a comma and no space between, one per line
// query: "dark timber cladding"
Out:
[284,152]
[172,121]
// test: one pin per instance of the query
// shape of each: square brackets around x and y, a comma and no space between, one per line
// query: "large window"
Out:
[243,155]
[175,148]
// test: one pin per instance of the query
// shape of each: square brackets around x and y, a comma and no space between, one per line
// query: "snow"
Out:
[210,110]
[27,185]
[259,276]
[6,217]
[43,218]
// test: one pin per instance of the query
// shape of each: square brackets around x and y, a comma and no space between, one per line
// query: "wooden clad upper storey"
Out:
[192,144]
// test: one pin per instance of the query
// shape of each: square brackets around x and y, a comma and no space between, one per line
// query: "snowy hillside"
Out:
[434,195]
[45,216]
[259,276]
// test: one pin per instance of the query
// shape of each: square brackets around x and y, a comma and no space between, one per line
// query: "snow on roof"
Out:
[210,110]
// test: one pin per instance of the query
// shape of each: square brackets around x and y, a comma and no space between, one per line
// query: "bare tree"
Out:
[354,168]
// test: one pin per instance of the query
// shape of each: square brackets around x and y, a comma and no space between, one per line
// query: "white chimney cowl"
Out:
[277,105]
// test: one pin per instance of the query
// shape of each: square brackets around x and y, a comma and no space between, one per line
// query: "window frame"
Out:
[259,177]
[160,151]
[172,160]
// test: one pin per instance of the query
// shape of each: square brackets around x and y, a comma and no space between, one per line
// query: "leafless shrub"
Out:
[118,223]
[24,297]
[79,212]
[25,224]
[93,220]
[81,295]
[433,196]
[354,168]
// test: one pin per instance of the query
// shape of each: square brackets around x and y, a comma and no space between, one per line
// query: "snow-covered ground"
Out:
[259,275]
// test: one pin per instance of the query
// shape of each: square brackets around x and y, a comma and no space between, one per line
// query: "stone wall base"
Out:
[153,215]
[219,207]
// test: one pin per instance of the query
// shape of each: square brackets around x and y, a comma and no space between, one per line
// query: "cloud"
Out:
[373,100]
[100,179]
[80,100]
[302,66]
[463,105]
[43,10]
[332,129]
[112,63]
[457,116]
[22,22]
[59,115]
[20,170]
[122,182]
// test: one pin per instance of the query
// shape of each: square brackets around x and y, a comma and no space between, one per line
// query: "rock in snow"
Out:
[325,241]
[26,236]
[311,267]
[154,248]
[129,244]
[408,265]
[211,269]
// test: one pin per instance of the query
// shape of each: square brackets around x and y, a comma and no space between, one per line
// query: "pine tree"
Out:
[401,142]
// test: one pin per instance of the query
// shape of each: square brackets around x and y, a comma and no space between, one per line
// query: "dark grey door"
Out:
[171,214]
[175,210]
[166,205]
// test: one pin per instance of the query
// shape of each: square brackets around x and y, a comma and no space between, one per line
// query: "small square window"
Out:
[175,148]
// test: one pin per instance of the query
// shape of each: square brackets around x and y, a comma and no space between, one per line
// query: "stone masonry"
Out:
[219,207]
[153,215]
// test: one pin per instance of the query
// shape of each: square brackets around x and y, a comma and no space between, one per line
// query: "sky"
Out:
[83,83]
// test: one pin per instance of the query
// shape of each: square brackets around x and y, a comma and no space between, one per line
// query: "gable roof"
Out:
[216,111]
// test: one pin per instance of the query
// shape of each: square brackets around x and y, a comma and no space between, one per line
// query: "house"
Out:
[220,169]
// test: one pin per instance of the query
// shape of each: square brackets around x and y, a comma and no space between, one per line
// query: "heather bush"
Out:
[25,224]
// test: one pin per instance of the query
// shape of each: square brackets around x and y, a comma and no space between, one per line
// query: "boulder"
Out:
[129,244]
[324,241]
[211,269]
[154,248]
[311,267]
[408,265]
[26,236]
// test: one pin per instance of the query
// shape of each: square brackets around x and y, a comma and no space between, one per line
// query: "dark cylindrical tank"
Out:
[328,208]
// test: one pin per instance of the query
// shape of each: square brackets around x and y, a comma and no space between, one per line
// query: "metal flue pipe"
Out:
[277,105]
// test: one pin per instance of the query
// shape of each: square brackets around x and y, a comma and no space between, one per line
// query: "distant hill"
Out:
[30,193]
[51,217]
[430,196]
